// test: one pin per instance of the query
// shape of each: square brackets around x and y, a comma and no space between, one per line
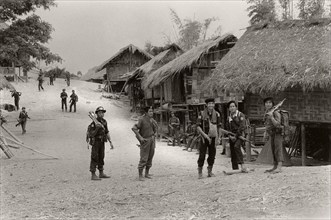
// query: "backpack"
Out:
[285,125]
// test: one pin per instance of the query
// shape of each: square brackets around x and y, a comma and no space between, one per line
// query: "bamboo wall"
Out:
[303,107]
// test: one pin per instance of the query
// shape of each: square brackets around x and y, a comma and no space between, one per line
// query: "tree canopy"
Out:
[23,42]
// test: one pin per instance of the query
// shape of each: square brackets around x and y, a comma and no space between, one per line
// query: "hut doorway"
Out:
[319,143]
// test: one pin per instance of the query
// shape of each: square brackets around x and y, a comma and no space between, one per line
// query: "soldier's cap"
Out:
[268,99]
[100,109]
[63,90]
[209,100]
[23,108]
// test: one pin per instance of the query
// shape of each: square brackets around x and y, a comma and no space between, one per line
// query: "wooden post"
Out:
[329,146]
[248,146]
[161,113]
[303,145]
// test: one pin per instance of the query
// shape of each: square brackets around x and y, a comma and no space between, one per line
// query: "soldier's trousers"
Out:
[147,153]
[276,142]
[236,154]
[211,152]
[23,124]
[73,104]
[17,104]
[97,156]
[64,104]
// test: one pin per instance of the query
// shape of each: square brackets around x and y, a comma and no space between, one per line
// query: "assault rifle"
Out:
[240,137]
[94,118]
[275,107]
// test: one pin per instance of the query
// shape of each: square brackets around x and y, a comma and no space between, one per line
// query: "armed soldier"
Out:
[16,96]
[145,131]
[22,119]
[73,100]
[63,97]
[97,135]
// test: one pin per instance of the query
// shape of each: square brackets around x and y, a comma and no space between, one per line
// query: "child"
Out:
[22,118]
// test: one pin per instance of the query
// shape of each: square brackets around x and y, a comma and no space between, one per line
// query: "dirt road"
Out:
[35,187]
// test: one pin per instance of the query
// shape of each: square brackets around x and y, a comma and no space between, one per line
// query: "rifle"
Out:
[275,107]
[240,137]
[94,118]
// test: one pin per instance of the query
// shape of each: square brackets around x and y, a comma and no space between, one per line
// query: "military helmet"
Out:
[100,108]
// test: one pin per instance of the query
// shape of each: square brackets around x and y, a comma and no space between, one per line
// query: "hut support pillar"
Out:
[161,112]
[329,146]
[248,146]
[303,145]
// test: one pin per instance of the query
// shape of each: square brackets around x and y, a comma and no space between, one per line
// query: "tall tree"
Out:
[23,42]
[190,32]
[79,74]
[311,8]
[261,10]
[286,9]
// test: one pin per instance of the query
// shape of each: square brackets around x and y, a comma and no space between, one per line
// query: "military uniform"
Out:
[16,96]
[73,101]
[64,96]
[40,82]
[22,118]
[174,129]
[236,125]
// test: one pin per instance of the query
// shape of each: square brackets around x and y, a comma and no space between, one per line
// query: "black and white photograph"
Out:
[195,110]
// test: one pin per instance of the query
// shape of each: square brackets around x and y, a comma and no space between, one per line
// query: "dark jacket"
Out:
[236,123]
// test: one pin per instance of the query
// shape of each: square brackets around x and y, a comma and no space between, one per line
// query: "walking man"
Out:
[68,79]
[145,131]
[40,81]
[16,96]
[22,119]
[97,135]
[174,125]
[236,125]
[273,133]
[51,79]
[64,96]
[73,100]
[208,124]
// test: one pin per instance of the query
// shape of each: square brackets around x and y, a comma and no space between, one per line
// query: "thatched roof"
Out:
[184,61]
[130,48]
[273,57]
[170,53]
[5,84]
[92,74]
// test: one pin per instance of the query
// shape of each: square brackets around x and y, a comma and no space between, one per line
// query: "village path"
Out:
[35,187]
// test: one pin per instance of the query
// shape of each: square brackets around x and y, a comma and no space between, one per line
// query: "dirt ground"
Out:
[36,187]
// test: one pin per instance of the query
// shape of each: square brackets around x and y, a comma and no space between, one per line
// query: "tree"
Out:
[190,32]
[23,42]
[261,10]
[286,9]
[79,74]
[311,8]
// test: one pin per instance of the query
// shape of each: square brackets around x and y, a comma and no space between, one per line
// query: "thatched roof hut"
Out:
[4,84]
[186,60]
[130,49]
[92,75]
[272,57]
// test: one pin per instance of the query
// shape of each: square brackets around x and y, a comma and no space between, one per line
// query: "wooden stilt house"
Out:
[291,60]
[125,60]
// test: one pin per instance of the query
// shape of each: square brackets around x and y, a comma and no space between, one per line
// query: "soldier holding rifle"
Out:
[97,135]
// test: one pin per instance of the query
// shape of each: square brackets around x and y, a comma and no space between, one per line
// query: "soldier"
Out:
[51,79]
[73,100]
[208,124]
[68,79]
[40,81]
[273,134]
[235,124]
[22,119]
[97,135]
[174,125]
[64,96]
[145,131]
[16,96]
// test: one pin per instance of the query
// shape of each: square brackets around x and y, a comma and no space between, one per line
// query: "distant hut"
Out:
[125,60]
[138,96]
[93,76]
[289,60]
[179,81]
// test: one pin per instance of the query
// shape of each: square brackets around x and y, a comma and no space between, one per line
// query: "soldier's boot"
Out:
[147,175]
[141,177]
[200,173]
[103,175]
[210,173]
[94,176]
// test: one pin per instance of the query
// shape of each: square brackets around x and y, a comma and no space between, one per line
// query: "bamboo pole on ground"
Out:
[11,134]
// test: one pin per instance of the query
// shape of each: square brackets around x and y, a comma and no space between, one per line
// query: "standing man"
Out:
[208,124]
[22,119]
[145,131]
[40,81]
[51,79]
[236,124]
[73,100]
[174,125]
[64,96]
[273,133]
[16,96]
[97,135]
[68,78]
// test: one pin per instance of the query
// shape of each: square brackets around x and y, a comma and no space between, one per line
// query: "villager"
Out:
[22,119]
[97,135]
[63,97]
[145,131]
[236,124]
[174,125]
[40,81]
[191,137]
[208,123]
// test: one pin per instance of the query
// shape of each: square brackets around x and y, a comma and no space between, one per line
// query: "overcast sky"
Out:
[89,32]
